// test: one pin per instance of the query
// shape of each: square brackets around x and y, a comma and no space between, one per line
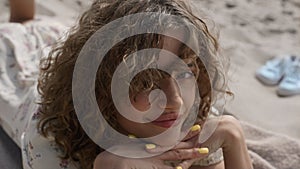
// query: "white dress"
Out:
[21,46]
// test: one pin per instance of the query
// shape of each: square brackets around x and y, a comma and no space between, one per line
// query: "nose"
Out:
[172,92]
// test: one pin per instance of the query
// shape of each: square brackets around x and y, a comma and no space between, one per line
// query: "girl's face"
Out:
[178,104]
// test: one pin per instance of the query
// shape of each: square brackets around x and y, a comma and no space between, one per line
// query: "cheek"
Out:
[188,93]
[188,99]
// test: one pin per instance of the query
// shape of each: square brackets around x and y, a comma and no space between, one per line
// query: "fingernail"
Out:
[178,167]
[203,150]
[150,146]
[131,136]
[196,127]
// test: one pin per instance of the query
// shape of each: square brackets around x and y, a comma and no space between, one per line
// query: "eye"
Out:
[184,75]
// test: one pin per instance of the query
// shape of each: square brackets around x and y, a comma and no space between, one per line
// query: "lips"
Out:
[166,120]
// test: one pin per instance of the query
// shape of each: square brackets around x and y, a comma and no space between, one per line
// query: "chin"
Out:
[167,138]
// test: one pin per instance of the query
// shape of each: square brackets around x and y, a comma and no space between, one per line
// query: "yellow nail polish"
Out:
[203,150]
[150,146]
[131,136]
[178,167]
[196,127]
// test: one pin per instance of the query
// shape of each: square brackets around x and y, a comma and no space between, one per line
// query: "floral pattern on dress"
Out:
[21,47]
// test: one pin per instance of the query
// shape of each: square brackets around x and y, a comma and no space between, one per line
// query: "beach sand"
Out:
[250,33]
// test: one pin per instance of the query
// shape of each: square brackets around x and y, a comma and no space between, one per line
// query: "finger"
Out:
[186,164]
[191,143]
[184,154]
[185,145]
[152,148]
[194,131]
[156,149]
[163,167]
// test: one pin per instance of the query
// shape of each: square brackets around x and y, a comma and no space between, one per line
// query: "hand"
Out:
[227,135]
[187,155]
[110,161]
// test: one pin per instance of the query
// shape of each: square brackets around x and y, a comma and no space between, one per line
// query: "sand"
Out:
[251,32]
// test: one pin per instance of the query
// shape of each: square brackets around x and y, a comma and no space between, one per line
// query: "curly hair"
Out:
[58,117]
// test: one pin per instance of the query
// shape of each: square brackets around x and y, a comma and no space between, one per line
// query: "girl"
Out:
[58,117]
[187,90]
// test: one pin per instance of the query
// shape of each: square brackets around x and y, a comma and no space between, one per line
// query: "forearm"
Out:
[236,153]
[21,10]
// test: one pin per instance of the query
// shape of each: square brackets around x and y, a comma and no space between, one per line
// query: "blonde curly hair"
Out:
[58,117]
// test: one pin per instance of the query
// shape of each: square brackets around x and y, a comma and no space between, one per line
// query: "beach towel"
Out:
[270,150]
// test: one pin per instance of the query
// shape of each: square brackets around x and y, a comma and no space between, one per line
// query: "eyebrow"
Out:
[189,63]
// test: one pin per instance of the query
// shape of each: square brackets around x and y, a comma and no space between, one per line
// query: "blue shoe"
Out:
[274,70]
[290,85]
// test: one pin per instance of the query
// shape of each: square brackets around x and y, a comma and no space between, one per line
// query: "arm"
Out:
[21,10]
[106,160]
[185,152]
[235,149]
[229,136]
[233,143]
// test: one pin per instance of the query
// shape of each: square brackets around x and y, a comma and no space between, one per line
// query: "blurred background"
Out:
[250,32]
